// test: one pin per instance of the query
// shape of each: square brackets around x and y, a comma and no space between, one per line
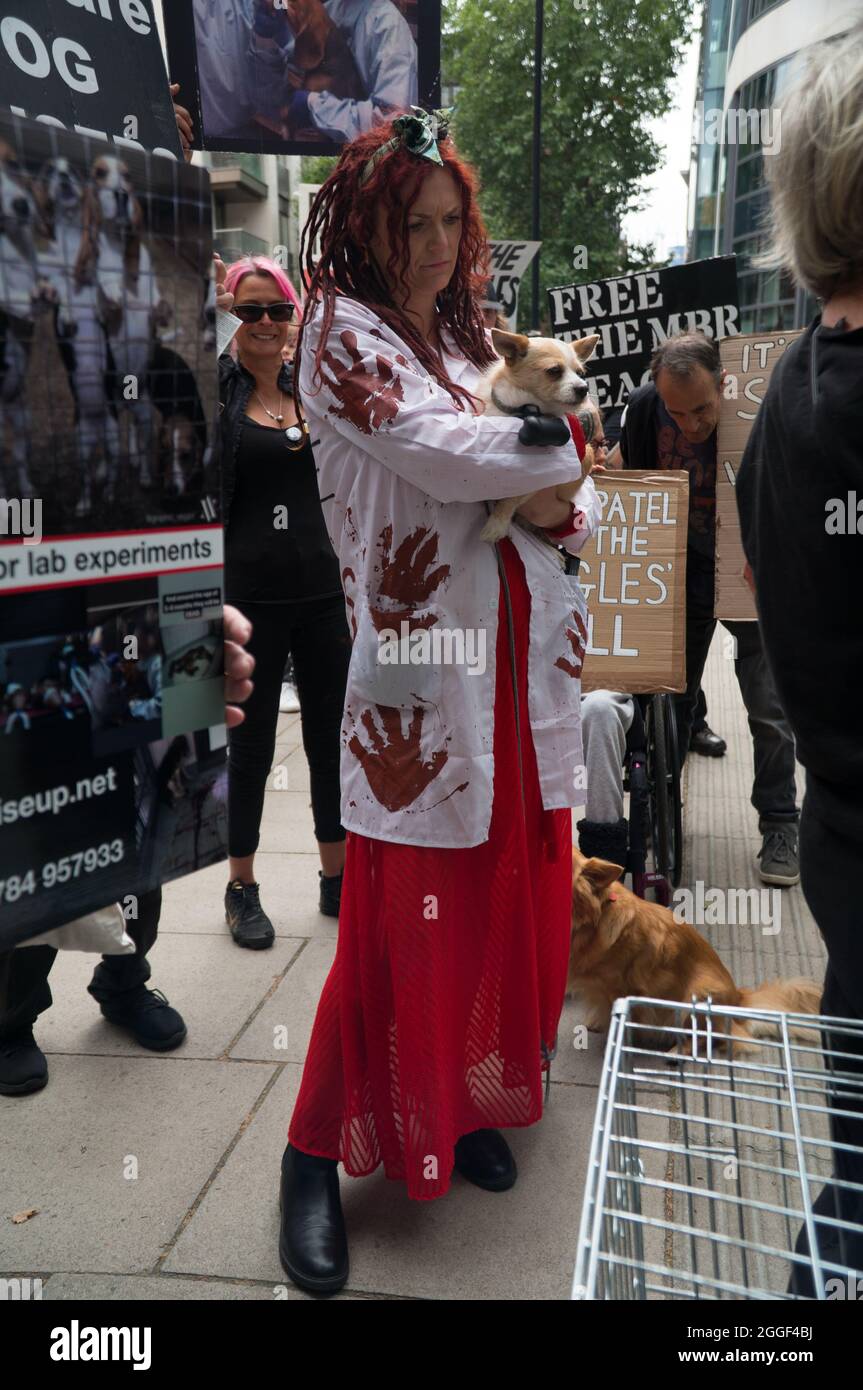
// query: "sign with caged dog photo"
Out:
[633,573]
[112,745]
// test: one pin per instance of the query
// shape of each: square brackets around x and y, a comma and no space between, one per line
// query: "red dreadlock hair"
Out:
[343,218]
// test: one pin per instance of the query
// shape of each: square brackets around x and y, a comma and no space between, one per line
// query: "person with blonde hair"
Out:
[797,491]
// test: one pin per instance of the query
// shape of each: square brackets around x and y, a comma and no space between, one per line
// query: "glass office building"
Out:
[749,51]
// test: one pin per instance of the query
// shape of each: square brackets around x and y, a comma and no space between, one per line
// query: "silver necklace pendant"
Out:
[294,434]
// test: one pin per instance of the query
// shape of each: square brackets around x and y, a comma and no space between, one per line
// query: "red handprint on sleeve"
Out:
[394,766]
[407,578]
[369,399]
[578,642]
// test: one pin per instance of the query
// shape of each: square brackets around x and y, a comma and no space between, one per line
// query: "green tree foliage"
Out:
[608,71]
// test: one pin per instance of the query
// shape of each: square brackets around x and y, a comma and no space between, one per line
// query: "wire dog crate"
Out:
[705,1167]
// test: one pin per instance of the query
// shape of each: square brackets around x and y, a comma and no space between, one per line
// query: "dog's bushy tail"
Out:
[798,996]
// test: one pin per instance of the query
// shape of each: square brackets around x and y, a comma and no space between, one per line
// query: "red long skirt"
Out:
[430,1027]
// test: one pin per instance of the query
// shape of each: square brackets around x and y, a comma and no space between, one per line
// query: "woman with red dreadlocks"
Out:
[461,739]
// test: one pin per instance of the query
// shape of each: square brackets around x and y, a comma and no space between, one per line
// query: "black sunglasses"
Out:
[281,312]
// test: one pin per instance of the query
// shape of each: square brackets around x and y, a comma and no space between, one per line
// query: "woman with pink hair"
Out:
[282,573]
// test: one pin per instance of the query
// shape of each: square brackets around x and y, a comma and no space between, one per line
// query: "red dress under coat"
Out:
[431,1022]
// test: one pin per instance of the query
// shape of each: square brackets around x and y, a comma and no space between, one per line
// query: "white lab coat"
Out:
[385,53]
[403,477]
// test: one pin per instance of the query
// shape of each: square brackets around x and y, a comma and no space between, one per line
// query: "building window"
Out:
[746,13]
[767,298]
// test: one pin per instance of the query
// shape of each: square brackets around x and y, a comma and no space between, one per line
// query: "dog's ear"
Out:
[510,345]
[600,873]
[585,347]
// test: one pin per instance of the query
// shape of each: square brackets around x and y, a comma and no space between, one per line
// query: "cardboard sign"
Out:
[94,66]
[633,314]
[633,573]
[264,76]
[112,745]
[749,362]
[509,261]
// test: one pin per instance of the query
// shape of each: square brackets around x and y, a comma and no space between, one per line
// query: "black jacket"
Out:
[235,388]
[638,434]
[802,462]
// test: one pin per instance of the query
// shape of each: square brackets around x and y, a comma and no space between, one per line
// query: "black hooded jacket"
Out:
[800,498]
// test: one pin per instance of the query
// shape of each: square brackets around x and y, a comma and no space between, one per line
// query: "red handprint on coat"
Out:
[407,579]
[578,643]
[394,765]
[369,399]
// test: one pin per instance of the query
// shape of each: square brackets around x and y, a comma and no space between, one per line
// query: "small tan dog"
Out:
[622,945]
[550,375]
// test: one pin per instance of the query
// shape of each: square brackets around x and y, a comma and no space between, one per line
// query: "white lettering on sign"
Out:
[134,12]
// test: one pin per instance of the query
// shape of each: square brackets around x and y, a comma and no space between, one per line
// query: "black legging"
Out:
[316,635]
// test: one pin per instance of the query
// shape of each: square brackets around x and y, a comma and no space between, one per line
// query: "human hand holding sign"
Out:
[185,128]
[239,665]
[224,300]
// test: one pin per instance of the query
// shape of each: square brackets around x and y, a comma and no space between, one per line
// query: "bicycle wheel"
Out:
[657,772]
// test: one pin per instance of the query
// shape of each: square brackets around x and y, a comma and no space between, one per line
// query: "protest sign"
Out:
[633,573]
[304,78]
[633,314]
[749,362]
[93,66]
[112,760]
[509,261]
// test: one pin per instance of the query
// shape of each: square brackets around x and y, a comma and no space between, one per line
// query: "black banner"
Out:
[93,66]
[300,76]
[634,313]
[112,757]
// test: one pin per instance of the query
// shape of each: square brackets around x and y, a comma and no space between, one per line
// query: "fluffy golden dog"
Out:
[622,946]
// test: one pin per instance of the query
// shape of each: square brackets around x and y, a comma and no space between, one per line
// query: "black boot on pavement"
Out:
[313,1244]
[22,1064]
[331,893]
[486,1160]
[249,923]
[706,742]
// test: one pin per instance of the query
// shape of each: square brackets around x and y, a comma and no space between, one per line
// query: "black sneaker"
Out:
[779,854]
[249,923]
[148,1016]
[331,893]
[22,1064]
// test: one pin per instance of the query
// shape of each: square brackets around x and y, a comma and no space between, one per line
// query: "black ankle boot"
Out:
[313,1245]
[331,893]
[485,1159]
[604,840]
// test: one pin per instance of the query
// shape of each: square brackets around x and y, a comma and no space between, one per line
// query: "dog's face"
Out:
[114,191]
[544,371]
[63,188]
[17,208]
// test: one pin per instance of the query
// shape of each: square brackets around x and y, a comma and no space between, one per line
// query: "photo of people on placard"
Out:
[181,797]
[106,370]
[121,677]
[38,690]
[279,73]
